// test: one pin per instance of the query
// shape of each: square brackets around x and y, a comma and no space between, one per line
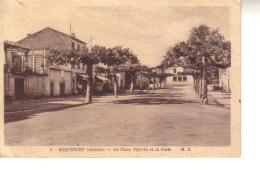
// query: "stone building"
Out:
[29,73]
[62,79]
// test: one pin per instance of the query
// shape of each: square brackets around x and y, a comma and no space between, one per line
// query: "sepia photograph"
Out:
[119,79]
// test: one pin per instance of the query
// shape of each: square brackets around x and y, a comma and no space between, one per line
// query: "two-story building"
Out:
[62,79]
[29,73]
[177,76]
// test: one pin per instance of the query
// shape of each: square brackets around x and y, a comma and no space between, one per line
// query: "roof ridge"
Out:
[54,31]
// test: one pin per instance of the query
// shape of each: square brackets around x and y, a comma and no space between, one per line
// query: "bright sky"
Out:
[147,29]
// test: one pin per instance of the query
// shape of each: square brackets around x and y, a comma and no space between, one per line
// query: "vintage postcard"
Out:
[120,78]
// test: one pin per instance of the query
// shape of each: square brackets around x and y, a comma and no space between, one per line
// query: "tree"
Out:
[119,59]
[113,58]
[133,70]
[205,50]
[209,49]
[75,57]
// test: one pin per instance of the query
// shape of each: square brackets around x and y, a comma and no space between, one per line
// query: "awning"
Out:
[103,79]
[83,76]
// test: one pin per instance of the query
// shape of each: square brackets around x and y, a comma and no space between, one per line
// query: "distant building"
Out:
[224,79]
[26,66]
[176,76]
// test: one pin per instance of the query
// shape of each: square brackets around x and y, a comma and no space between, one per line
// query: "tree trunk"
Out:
[148,83]
[154,83]
[115,86]
[88,98]
[204,97]
[132,85]
[198,88]
[201,86]
[195,83]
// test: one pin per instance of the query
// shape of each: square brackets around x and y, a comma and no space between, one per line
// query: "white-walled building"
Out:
[224,79]
[176,77]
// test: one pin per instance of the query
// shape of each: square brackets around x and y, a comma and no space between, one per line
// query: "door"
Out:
[19,88]
[51,89]
[62,88]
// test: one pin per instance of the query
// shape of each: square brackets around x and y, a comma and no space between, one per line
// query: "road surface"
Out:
[165,117]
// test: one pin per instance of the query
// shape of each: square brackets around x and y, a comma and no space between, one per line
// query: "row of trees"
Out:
[205,51]
[117,59]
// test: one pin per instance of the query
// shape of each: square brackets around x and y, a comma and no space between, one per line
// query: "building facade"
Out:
[29,73]
[176,76]
[224,79]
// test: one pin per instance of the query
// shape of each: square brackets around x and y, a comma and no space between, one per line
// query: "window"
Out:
[174,70]
[179,78]
[30,61]
[17,63]
[184,78]
[78,47]
[73,45]
[174,78]
[39,64]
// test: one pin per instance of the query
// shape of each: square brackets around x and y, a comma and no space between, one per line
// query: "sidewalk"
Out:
[220,98]
[49,103]
[42,103]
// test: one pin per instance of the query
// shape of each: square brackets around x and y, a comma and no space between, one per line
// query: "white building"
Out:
[176,76]
[224,79]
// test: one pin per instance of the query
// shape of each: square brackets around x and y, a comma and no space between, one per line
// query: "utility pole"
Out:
[70,28]
[91,42]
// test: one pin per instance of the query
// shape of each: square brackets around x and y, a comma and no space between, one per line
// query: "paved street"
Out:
[171,116]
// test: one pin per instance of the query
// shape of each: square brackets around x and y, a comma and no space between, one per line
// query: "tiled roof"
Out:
[11,43]
[63,34]
[47,29]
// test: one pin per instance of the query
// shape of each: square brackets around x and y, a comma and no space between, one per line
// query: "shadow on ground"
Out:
[154,101]
[22,115]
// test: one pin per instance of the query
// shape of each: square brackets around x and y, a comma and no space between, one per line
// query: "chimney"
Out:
[29,35]
[72,34]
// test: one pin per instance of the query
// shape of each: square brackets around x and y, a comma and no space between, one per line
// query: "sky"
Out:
[148,29]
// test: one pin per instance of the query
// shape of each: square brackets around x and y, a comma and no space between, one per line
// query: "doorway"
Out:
[62,88]
[19,88]
[51,88]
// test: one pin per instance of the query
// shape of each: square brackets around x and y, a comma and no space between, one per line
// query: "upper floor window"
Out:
[73,45]
[174,70]
[17,63]
[78,47]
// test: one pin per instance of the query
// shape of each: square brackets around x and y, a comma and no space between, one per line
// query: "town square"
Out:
[169,86]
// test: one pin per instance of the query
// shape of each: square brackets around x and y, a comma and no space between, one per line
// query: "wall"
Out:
[49,37]
[35,85]
[9,85]
[121,79]
[224,79]
[58,76]
[179,78]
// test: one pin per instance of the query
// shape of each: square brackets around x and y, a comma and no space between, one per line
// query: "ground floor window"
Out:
[184,78]
[179,78]
[174,78]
